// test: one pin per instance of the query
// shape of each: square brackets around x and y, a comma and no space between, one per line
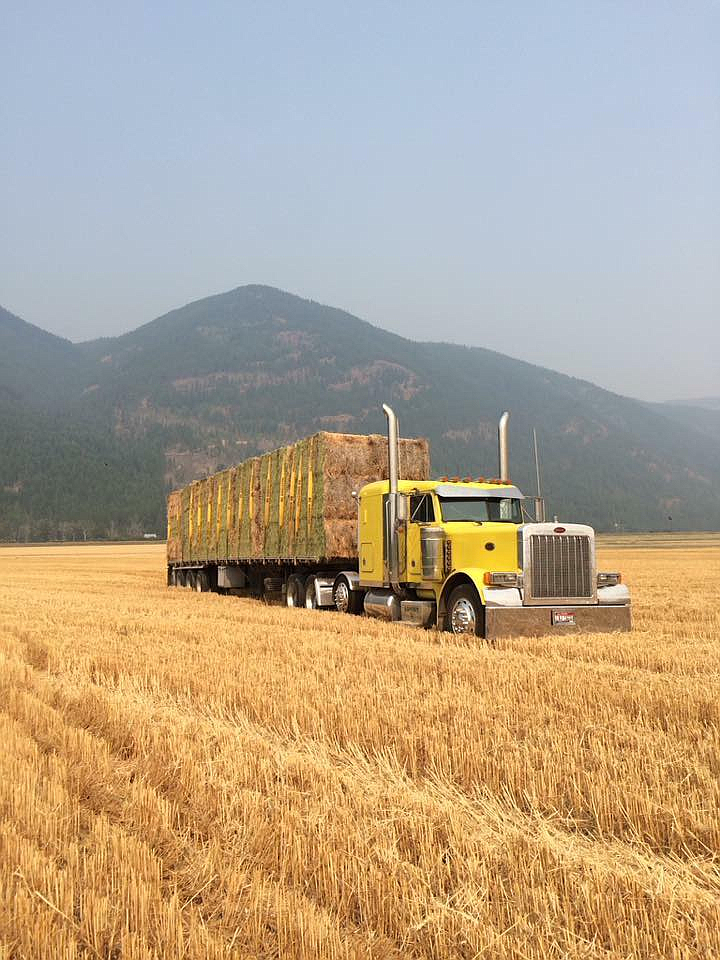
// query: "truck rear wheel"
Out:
[346,599]
[465,612]
[295,591]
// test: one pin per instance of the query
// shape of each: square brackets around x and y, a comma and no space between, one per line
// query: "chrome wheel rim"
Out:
[290,596]
[463,619]
[342,597]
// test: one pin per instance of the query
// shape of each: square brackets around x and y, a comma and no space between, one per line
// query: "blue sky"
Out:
[540,179]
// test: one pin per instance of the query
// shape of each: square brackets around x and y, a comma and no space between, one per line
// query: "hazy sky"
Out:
[538,178]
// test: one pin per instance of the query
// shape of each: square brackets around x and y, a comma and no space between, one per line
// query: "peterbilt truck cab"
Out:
[462,555]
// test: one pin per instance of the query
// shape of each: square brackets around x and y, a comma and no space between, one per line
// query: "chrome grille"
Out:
[560,566]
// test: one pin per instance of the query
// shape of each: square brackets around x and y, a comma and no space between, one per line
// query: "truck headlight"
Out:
[609,579]
[502,579]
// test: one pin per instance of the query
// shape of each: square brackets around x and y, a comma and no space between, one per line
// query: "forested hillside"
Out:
[94,435]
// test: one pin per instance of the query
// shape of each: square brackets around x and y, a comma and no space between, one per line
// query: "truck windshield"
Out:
[478,509]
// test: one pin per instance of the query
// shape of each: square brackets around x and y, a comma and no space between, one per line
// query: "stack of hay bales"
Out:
[294,503]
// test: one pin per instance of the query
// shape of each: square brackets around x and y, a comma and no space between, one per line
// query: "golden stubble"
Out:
[189,775]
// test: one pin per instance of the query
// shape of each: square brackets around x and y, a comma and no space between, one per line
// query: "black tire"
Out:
[465,612]
[202,582]
[295,591]
[346,599]
[310,596]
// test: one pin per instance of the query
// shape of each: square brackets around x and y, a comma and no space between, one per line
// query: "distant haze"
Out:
[539,179]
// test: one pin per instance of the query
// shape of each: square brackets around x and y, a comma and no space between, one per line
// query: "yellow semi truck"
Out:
[461,555]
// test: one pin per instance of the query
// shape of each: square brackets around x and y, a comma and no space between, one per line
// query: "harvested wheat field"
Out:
[188,775]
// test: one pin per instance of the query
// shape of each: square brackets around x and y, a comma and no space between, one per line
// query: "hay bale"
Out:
[194,520]
[256,507]
[222,521]
[209,519]
[174,527]
[341,538]
[203,524]
[244,508]
[184,525]
[232,506]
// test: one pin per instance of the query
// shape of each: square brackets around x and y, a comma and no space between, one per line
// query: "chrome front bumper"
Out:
[537,621]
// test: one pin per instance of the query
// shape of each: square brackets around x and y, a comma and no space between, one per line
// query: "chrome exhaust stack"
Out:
[393,449]
[394,509]
[539,500]
[503,448]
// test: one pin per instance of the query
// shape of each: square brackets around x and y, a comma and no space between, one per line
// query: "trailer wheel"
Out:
[465,612]
[295,591]
[310,594]
[346,599]
[202,582]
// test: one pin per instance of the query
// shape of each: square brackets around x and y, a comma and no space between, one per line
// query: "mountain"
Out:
[705,403]
[94,434]
[35,367]
[696,418]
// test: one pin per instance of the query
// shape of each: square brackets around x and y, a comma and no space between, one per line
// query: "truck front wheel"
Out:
[465,612]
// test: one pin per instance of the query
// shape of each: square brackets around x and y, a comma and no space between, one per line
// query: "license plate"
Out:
[563,617]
